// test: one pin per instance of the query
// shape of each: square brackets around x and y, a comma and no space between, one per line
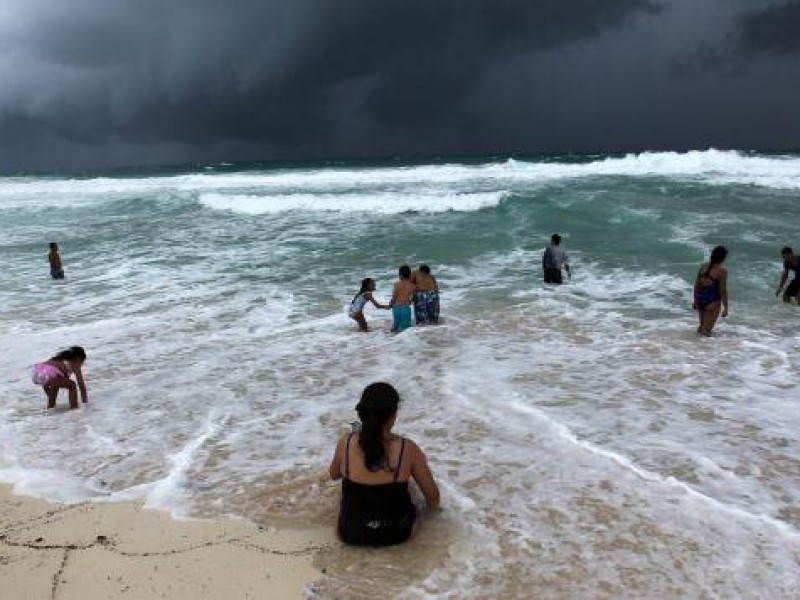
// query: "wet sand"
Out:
[90,550]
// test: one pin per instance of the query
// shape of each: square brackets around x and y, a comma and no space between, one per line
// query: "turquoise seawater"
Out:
[587,442]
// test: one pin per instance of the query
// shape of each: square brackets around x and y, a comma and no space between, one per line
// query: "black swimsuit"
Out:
[708,294]
[375,515]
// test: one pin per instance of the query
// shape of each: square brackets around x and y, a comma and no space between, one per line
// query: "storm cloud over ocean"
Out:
[98,82]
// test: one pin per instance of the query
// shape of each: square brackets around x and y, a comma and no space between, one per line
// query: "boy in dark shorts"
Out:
[789,264]
[56,270]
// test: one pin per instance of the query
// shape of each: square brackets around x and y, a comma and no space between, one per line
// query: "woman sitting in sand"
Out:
[426,296]
[375,466]
[55,373]
[360,300]
[711,291]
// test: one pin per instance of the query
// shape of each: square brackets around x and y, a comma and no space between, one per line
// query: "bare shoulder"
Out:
[414,449]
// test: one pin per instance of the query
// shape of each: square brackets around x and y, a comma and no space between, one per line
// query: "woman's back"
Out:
[376,507]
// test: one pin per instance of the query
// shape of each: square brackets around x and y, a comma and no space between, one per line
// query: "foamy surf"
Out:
[587,443]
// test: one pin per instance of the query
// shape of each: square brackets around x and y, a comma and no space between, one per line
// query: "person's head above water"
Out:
[404,271]
[53,246]
[787,252]
[71,353]
[367,285]
[376,409]
[425,269]
[718,255]
[555,239]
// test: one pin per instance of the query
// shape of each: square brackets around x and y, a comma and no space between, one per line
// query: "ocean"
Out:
[587,442]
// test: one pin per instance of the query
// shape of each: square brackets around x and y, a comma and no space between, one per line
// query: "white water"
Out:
[587,443]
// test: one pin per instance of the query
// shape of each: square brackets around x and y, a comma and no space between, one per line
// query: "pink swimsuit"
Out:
[42,373]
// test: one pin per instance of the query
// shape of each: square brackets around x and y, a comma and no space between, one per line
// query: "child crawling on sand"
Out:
[55,373]
[360,300]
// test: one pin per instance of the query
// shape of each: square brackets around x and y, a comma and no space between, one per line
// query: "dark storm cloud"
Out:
[94,71]
[775,29]
[91,82]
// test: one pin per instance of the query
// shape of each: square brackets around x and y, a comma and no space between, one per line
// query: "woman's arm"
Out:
[696,288]
[723,290]
[81,383]
[335,470]
[421,473]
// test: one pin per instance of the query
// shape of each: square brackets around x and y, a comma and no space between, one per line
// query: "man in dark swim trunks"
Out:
[553,259]
[789,264]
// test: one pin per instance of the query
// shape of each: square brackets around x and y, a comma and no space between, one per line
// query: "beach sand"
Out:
[91,550]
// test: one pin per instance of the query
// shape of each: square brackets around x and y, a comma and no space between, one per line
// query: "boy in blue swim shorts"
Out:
[402,298]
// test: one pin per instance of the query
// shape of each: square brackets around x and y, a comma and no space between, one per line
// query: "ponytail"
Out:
[378,404]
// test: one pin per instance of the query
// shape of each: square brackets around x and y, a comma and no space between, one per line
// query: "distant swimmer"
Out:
[56,270]
[375,467]
[711,291]
[402,298]
[553,259]
[789,264]
[360,300]
[56,373]
[426,296]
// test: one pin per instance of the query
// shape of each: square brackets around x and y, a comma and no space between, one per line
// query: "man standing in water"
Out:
[553,259]
[789,264]
[56,270]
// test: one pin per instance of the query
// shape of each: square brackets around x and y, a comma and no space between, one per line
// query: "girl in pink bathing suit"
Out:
[55,373]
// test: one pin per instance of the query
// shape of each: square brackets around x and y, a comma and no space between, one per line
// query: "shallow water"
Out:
[587,443]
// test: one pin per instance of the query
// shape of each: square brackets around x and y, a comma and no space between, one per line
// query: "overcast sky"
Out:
[88,83]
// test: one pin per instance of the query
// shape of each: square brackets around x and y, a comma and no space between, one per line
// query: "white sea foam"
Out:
[380,202]
[296,187]
[576,430]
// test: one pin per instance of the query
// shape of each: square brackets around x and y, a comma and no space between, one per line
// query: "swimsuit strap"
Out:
[347,457]
[400,459]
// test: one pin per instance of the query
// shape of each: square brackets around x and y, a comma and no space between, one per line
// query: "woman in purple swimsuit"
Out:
[711,291]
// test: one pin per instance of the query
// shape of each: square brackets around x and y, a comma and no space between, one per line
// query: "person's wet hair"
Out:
[786,250]
[718,255]
[405,272]
[425,269]
[365,285]
[379,401]
[71,353]
[556,239]
[53,246]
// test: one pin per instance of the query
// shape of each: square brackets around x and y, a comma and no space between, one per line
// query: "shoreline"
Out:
[99,550]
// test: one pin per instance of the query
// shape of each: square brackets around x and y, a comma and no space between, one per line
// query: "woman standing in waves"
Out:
[375,466]
[711,291]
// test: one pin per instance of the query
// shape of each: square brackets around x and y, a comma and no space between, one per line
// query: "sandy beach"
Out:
[90,550]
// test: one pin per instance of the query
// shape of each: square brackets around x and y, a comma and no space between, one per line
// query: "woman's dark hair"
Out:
[378,403]
[425,269]
[718,255]
[404,271]
[364,287]
[786,250]
[71,353]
